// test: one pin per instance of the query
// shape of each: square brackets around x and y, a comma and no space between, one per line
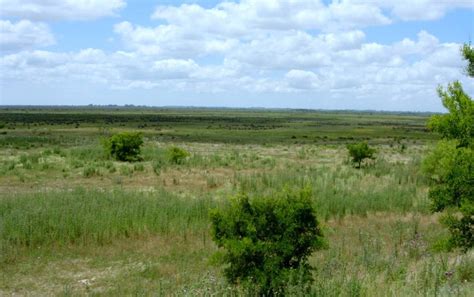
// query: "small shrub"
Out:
[177,155]
[157,166]
[112,169]
[27,165]
[403,148]
[90,171]
[138,167]
[267,241]
[465,269]
[124,146]
[125,170]
[359,152]
[108,165]
[76,163]
[211,181]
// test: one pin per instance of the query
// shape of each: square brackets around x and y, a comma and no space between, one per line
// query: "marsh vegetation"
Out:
[75,220]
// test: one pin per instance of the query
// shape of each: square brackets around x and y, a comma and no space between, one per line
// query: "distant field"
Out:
[64,126]
[74,222]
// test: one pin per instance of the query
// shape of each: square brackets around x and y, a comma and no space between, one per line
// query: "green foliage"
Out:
[439,162]
[461,226]
[452,175]
[451,164]
[267,241]
[467,52]
[451,170]
[459,122]
[177,155]
[124,146]
[360,151]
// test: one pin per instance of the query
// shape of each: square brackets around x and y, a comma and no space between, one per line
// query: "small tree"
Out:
[124,146]
[360,151]
[267,240]
[451,165]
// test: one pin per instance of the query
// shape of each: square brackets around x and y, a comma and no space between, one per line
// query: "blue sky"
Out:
[348,54]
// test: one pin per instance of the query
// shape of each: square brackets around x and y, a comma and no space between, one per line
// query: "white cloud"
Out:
[247,16]
[300,79]
[24,35]
[360,67]
[117,69]
[427,9]
[52,10]
[356,15]
[171,41]
[174,69]
[409,10]
[295,49]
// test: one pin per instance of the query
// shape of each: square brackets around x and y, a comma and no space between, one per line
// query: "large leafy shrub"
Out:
[451,165]
[124,146]
[266,241]
[459,122]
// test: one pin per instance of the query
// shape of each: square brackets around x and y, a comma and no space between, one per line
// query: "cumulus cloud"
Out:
[300,79]
[118,69]
[53,10]
[171,41]
[360,66]
[24,35]
[267,46]
[295,49]
[244,17]
[409,10]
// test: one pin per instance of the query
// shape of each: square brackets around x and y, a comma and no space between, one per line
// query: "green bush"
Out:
[124,146]
[451,171]
[266,241]
[360,151]
[177,155]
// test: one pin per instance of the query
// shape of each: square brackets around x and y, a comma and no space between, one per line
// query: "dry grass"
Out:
[387,251]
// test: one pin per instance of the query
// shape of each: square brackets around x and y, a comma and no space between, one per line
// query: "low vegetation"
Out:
[77,221]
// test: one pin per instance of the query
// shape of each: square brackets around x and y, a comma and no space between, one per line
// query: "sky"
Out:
[341,54]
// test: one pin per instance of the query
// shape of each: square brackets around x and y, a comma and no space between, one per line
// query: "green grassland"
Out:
[74,222]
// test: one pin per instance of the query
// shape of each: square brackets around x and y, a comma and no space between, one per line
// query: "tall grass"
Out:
[344,190]
[93,217]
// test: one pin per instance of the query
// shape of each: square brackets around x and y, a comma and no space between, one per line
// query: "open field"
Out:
[74,222]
